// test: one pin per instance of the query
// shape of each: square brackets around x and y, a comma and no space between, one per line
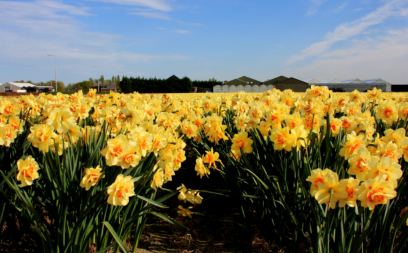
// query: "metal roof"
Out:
[248,80]
[353,81]
[312,81]
[22,84]
[333,80]
[376,80]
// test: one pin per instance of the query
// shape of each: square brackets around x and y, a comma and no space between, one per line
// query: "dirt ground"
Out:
[208,232]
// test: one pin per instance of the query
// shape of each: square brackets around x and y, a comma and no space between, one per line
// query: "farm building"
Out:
[399,88]
[275,80]
[243,80]
[333,80]
[352,84]
[293,84]
[251,85]
[242,83]
[105,87]
[14,86]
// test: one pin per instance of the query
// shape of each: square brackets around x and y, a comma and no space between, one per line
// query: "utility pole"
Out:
[55,61]
[98,76]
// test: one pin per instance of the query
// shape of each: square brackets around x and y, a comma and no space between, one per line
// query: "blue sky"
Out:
[202,39]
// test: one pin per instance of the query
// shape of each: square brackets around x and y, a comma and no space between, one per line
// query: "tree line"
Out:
[171,85]
[203,86]
[87,84]
[73,87]
[138,84]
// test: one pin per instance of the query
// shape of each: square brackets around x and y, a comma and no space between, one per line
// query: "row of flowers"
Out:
[370,127]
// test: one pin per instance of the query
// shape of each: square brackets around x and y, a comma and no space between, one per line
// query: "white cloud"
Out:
[29,31]
[348,30]
[122,56]
[154,4]
[341,7]
[39,17]
[134,57]
[59,6]
[148,14]
[315,6]
[182,31]
[12,9]
[385,57]
[193,24]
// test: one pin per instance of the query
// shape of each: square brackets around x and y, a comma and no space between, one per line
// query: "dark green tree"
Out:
[61,85]
[69,88]
[125,85]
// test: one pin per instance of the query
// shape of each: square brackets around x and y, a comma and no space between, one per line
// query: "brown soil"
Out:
[206,233]
[16,238]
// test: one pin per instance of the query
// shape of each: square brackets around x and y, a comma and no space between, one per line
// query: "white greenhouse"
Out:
[14,86]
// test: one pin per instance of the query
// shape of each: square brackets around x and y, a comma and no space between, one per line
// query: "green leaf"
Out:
[118,240]
[152,201]
[164,217]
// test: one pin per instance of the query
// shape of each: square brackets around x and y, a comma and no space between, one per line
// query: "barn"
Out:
[14,86]
[293,84]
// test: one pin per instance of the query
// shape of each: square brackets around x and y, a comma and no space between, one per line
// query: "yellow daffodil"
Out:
[385,166]
[7,134]
[42,136]
[182,193]
[158,179]
[16,123]
[61,119]
[241,140]
[184,212]
[294,120]
[193,196]
[348,124]
[352,144]
[116,150]
[405,152]
[132,158]
[397,136]
[351,188]
[375,191]
[91,177]
[301,136]
[210,158]
[403,111]
[27,171]
[359,163]
[283,139]
[315,178]
[387,112]
[9,107]
[277,114]
[241,121]
[120,191]
[389,150]
[201,169]
[331,190]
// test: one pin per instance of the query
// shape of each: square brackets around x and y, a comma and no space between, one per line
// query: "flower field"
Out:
[321,169]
